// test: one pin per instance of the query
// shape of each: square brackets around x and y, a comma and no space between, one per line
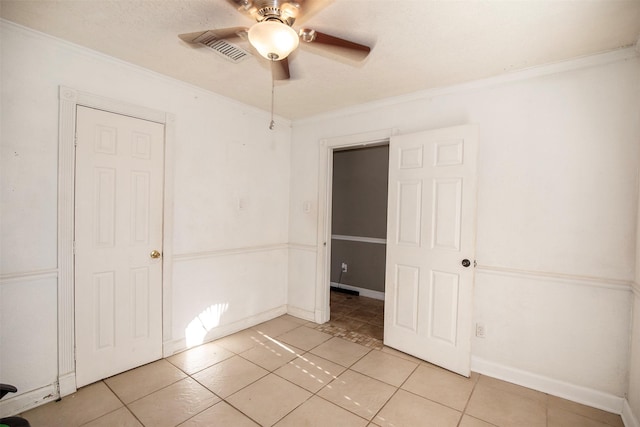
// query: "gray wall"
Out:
[360,210]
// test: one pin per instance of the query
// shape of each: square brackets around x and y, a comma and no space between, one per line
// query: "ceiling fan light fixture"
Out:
[273,39]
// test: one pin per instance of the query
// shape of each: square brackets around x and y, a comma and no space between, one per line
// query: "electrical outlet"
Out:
[481,330]
[344,267]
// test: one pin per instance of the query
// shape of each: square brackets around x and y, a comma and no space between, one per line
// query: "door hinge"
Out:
[74,247]
[75,140]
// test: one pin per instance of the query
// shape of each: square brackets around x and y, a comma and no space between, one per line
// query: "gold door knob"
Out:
[154,254]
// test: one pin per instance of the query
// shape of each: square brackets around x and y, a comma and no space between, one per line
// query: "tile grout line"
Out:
[124,405]
[395,392]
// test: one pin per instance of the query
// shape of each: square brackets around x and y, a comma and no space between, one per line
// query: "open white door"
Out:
[118,243]
[431,245]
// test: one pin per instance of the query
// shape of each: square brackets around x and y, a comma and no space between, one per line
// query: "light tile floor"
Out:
[287,373]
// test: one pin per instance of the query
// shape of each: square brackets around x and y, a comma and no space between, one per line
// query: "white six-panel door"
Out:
[118,223]
[430,232]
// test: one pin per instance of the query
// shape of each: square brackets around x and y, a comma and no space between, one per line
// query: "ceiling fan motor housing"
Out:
[268,10]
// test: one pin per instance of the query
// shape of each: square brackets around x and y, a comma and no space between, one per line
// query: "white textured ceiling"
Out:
[416,45]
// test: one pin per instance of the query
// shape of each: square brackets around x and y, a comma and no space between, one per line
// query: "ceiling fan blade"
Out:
[336,45]
[280,69]
[205,37]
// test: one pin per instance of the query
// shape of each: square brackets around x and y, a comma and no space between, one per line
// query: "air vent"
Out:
[227,50]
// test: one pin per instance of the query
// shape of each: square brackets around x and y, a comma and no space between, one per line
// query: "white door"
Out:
[118,223]
[430,235]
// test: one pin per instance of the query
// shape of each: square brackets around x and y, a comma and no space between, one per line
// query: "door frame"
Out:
[325,191]
[69,99]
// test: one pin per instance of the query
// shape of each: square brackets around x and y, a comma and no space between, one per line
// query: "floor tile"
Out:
[441,386]
[304,338]
[229,376]
[358,393]
[400,354]
[341,309]
[197,358]
[340,351]
[297,320]
[385,367]
[365,313]
[317,412]
[174,404]
[220,415]
[512,388]
[374,331]
[275,327]
[120,417]
[560,418]
[505,409]
[139,382]
[241,341]
[468,421]
[596,414]
[310,372]
[406,409]
[271,354]
[269,399]
[87,404]
[346,323]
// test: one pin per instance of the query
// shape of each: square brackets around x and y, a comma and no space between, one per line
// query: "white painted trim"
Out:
[612,284]
[69,99]
[29,400]
[576,393]
[301,313]
[67,384]
[228,252]
[29,276]
[303,247]
[325,182]
[359,239]
[515,76]
[635,287]
[364,292]
[628,417]
[167,231]
[170,348]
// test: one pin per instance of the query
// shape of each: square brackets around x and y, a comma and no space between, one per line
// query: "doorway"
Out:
[118,243]
[430,241]
[358,240]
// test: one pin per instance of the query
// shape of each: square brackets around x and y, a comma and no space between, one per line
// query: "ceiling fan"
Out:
[273,36]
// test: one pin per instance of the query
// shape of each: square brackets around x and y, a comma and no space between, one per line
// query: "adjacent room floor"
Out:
[355,318]
[286,372]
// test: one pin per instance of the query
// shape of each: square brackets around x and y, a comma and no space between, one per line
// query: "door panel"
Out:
[118,222]
[431,229]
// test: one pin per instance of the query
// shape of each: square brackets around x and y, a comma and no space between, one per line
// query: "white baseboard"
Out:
[628,418]
[363,291]
[586,396]
[301,313]
[29,400]
[170,348]
[67,384]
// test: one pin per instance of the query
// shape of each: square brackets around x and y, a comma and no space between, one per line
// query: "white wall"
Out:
[557,205]
[556,216]
[223,256]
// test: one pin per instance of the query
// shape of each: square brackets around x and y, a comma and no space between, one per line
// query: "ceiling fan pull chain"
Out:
[273,83]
